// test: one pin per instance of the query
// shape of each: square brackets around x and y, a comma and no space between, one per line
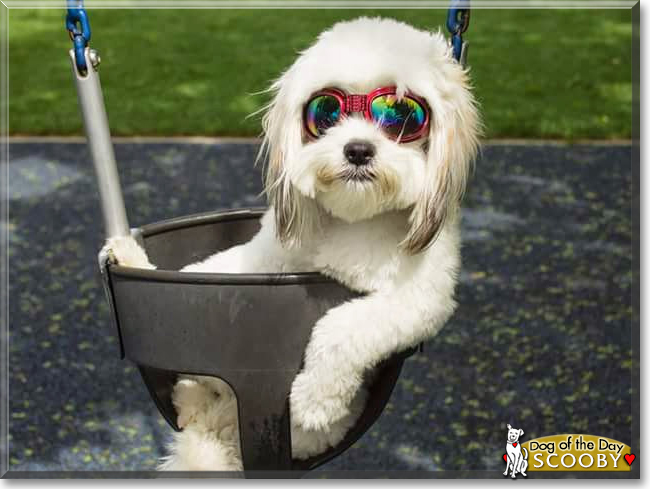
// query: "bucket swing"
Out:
[151,308]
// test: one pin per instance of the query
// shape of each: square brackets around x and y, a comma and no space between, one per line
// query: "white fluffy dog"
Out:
[358,204]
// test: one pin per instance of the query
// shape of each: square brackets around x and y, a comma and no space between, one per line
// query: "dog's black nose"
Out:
[359,152]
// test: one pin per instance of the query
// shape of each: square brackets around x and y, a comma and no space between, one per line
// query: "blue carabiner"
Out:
[457,24]
[77,24]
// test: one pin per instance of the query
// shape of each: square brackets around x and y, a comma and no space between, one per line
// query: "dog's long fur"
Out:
[394,236]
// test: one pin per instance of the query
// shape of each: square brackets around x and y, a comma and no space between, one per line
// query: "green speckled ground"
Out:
[541,338]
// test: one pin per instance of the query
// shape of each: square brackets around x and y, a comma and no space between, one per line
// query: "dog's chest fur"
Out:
[364,255]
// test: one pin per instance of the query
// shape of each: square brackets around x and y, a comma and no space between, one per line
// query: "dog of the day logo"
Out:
[565,453]
[516,456]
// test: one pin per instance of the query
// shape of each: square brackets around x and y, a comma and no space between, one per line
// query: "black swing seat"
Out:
[250,330]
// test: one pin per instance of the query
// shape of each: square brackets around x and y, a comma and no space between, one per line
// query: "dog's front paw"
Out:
[125,251]
[318,401]
[315,406]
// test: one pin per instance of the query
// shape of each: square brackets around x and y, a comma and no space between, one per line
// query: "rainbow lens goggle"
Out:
[405,119]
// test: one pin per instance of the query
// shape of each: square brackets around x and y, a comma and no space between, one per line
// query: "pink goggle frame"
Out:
[374,108]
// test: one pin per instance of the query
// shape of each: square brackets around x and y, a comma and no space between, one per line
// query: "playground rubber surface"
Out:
[541,338]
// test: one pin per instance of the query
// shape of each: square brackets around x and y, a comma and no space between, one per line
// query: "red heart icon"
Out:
[505,457]
[629,458]
[514,444]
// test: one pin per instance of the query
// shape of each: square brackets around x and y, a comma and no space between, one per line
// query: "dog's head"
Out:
[355,169]
[514,434]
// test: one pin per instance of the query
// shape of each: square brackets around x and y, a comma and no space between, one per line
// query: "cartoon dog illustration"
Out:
[515,459]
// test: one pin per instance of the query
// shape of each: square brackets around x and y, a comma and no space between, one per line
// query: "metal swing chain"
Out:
[457,24]
[78,26]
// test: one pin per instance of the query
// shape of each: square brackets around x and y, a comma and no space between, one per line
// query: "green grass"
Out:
[537,73]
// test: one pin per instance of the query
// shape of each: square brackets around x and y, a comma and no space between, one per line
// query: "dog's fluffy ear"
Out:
[509,427]
[452,147]
[295,214]
[521,432]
